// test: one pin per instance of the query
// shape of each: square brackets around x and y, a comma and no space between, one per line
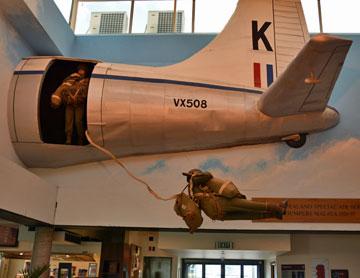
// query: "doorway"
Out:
[199,268]
[157,267]
[52,121]
[65,270]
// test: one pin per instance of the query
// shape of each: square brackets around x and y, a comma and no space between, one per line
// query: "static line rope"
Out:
[122,165]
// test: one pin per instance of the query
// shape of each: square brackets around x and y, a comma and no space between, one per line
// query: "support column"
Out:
[73,14]
[320,17]
[112,254]
[174,16]
[42,248]
[193,16]
[131,15]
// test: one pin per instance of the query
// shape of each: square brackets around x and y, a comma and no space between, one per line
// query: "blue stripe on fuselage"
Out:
[29,72]
[175,82]
[155,80]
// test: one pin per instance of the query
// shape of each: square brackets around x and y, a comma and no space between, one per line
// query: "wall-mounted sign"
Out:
[318,210]
[224,245]
[8,236]
[339,273]
[293,271]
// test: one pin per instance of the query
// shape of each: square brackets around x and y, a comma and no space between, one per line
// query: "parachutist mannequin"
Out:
[220,200]
[73,93]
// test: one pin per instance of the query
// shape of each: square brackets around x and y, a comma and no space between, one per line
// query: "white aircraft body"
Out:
[261,80]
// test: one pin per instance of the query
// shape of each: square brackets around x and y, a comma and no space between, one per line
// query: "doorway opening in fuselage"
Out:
[52,120]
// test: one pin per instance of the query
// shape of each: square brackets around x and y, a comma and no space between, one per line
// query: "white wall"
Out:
[15,265]
[242,242]
[141,239]
[21,191]
[106,196]
[342,251]
[26,194]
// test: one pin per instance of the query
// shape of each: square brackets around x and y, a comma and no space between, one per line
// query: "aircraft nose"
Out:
[331,117]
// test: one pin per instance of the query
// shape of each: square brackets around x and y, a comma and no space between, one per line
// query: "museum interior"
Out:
[179,138]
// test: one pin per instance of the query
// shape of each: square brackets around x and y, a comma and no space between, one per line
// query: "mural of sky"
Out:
[324,164]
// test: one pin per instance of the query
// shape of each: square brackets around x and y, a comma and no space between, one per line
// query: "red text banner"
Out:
[317,210]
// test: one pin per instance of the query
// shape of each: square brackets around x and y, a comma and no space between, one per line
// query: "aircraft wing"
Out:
[307,83]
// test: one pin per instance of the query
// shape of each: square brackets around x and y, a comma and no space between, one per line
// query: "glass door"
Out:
[232,271]
[206,268]
[158,267]
[212,270]
[194,271]
[251,271]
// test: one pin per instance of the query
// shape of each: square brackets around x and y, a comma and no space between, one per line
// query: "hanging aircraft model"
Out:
[261,80]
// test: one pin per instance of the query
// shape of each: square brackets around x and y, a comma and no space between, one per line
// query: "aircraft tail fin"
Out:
[307,83]
[256,45]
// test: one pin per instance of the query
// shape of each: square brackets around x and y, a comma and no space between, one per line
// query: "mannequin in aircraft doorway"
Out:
[73,94]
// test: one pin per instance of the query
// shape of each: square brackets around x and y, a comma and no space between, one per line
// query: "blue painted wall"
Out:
[152,50]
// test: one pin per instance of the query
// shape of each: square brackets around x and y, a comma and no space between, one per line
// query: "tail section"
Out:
[291,32]
[256,45]
[307,83]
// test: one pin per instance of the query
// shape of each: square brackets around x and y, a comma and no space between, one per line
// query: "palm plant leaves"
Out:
[35,272]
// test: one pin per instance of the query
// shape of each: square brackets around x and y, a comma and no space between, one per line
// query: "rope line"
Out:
[122,165]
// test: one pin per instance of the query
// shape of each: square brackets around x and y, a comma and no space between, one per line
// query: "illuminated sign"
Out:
[224,245]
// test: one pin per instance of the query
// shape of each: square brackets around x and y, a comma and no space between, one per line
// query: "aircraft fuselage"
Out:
[141,117]
[139,114]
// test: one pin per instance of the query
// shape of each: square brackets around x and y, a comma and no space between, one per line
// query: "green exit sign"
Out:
[224,245]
